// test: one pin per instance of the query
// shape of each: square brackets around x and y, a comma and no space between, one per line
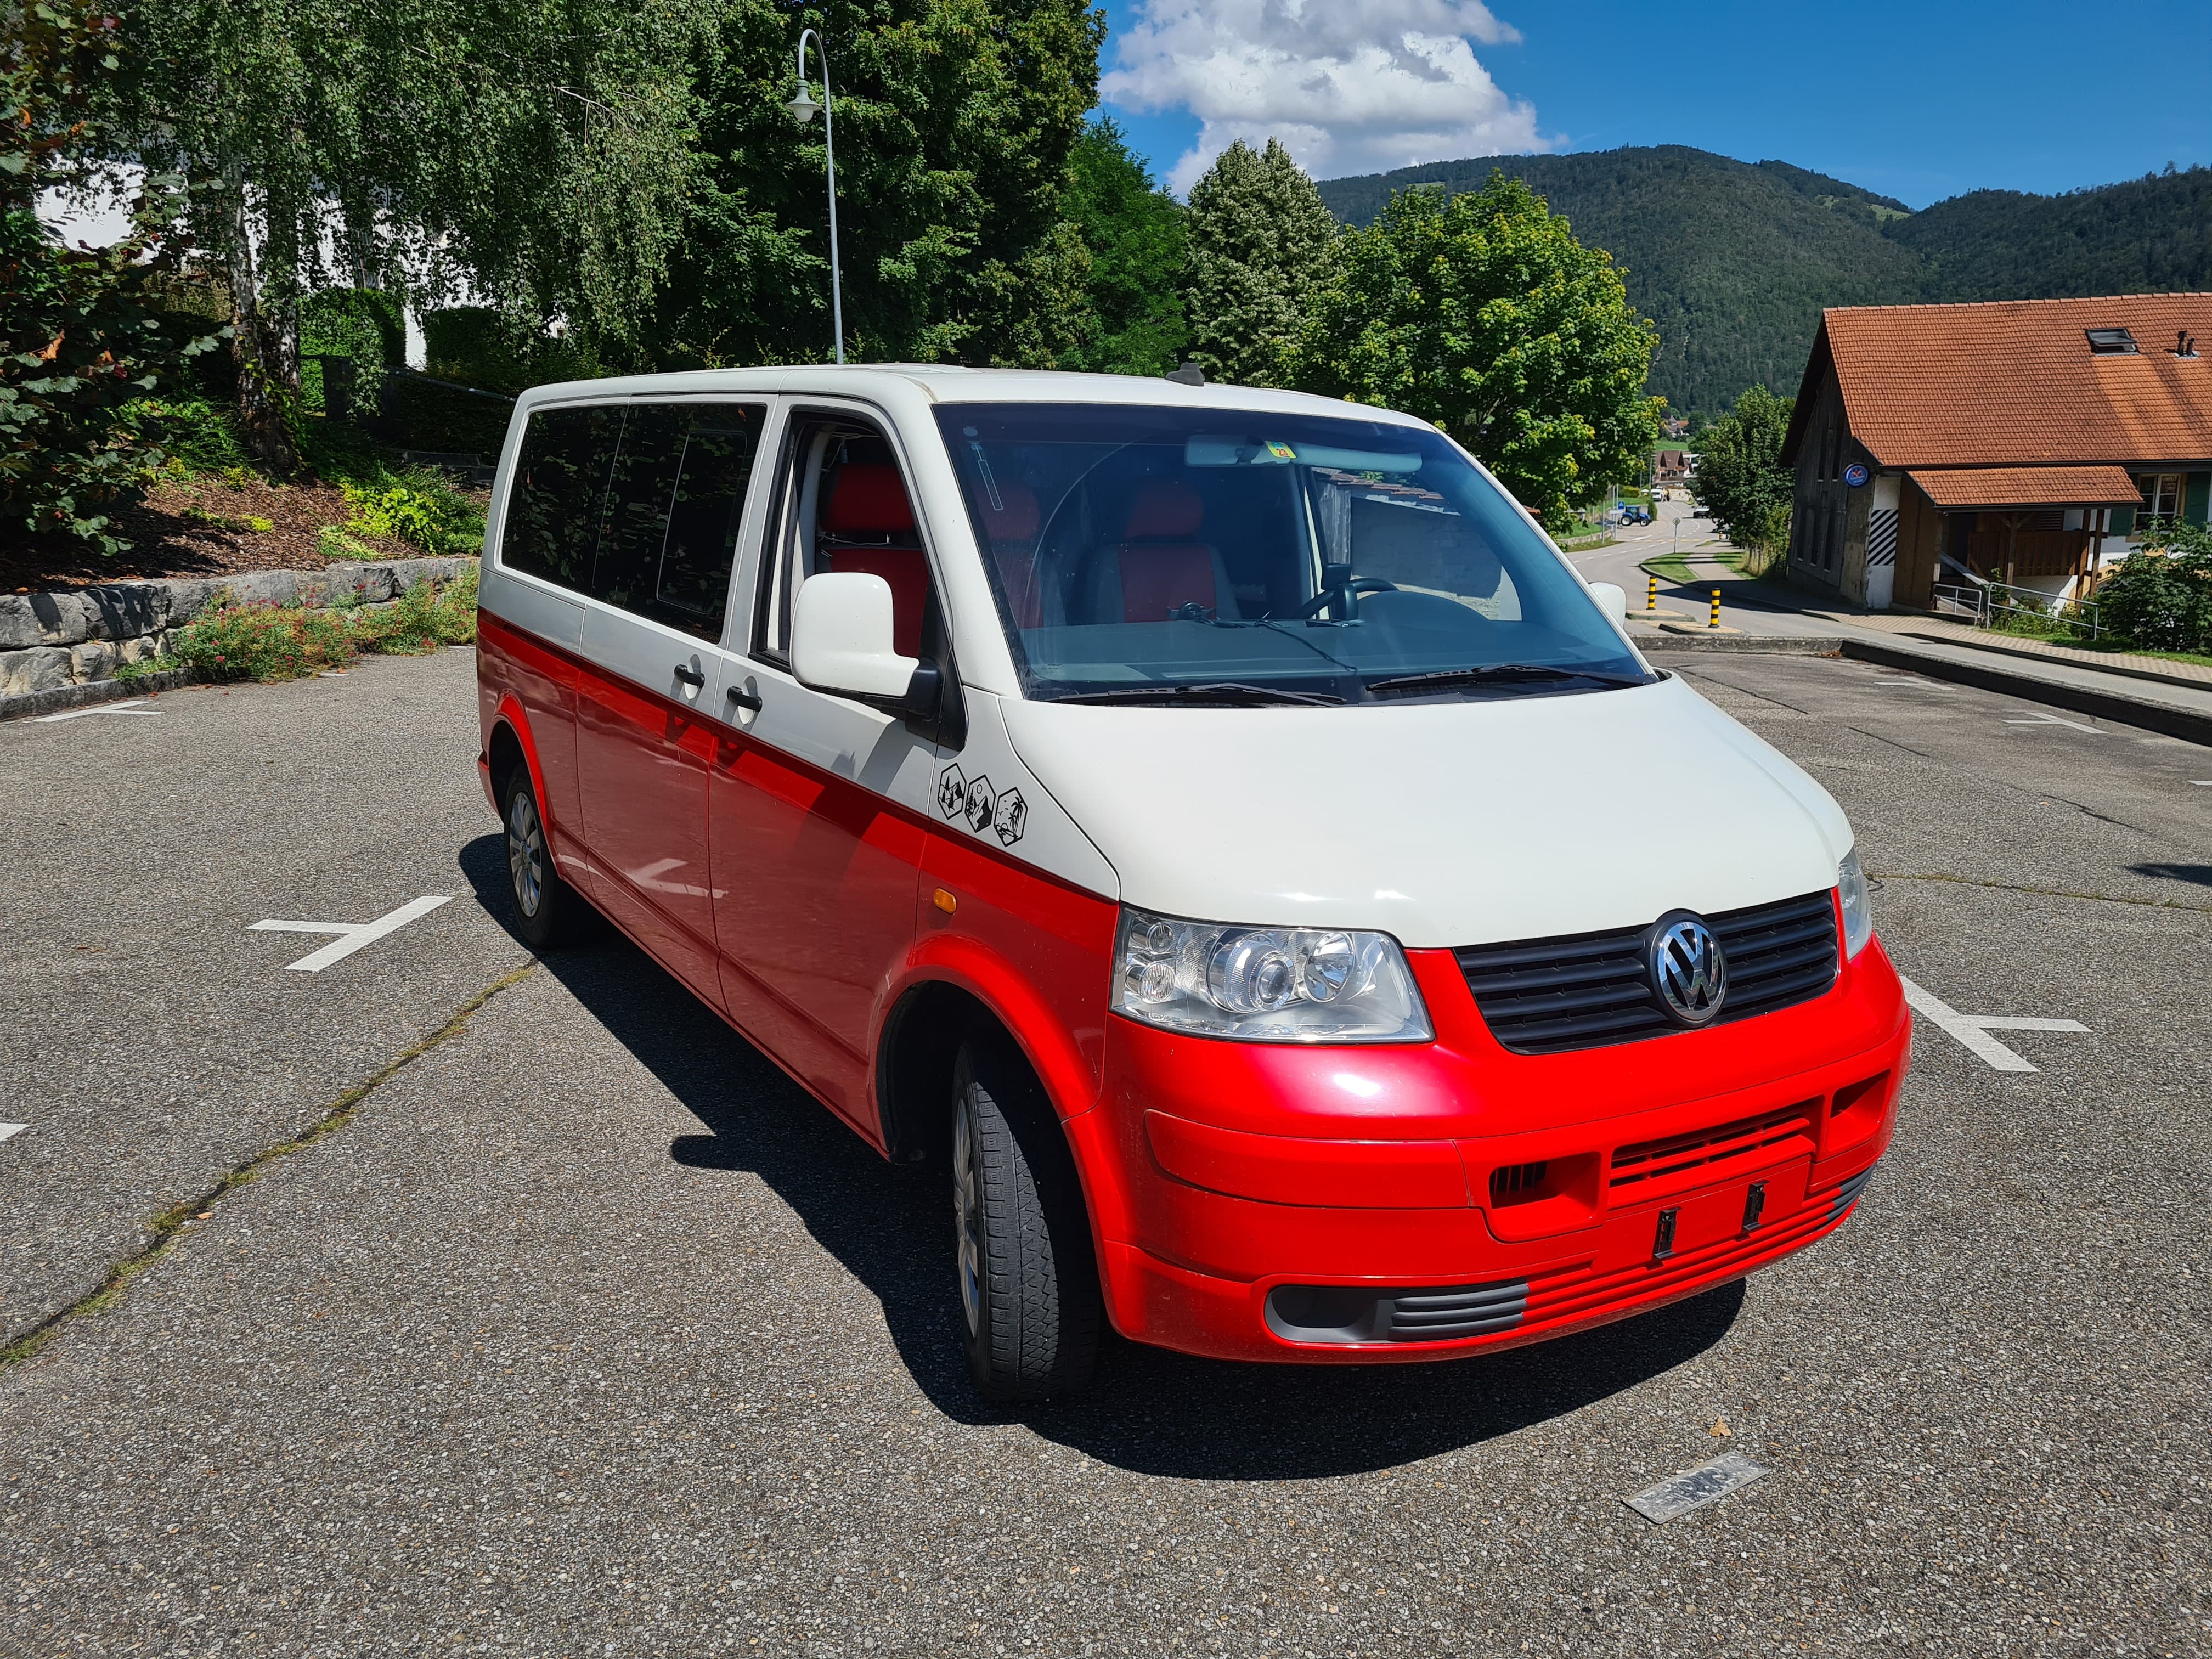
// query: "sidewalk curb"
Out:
[2006,650]
[1767,645]
[27,704]
[2161,717]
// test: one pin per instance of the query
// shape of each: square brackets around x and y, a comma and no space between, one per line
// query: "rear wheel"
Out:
[1028,1278]
[546,909]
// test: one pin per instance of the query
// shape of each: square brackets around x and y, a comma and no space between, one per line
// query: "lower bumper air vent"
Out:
[1848,1194]
[1356,1313]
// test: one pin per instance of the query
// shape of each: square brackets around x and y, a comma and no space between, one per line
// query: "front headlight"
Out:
[1266,984]
[1858,920]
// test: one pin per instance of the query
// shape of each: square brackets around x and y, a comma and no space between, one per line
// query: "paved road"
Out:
[585,1334]
[1753,607]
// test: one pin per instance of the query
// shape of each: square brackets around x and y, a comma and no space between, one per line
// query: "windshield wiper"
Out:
[1225,692]
[1500,671]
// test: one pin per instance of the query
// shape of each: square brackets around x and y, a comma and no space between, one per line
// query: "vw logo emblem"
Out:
[1687,969]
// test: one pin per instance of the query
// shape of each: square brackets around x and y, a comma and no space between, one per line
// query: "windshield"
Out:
[1175,555]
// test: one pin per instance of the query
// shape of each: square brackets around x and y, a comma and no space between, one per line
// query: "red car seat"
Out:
[868,527]
[1160,565]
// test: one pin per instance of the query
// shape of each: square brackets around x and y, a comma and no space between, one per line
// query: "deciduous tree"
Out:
[79,336]
[1133,231]
[1485,315]
[1739,474]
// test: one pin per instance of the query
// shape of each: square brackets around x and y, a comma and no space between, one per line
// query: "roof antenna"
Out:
[2184,343]
[1189,374]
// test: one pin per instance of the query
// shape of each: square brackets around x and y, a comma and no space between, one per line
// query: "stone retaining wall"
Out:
[77,634]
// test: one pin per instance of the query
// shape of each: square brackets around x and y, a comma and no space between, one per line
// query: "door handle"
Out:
[743,698]
[690,676]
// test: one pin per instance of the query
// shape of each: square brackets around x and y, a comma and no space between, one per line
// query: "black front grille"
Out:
[1546,996]
[1702,1149]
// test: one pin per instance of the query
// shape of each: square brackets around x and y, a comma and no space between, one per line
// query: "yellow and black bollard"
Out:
[1715,621]
[1651,593]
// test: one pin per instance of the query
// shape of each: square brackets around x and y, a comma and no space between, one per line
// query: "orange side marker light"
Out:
[944,901]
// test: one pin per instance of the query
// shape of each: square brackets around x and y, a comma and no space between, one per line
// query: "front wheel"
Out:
[1028,1277]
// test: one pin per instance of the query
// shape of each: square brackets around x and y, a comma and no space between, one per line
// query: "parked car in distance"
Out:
[1214,825]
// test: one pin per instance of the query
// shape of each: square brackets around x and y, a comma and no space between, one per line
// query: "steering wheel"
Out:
[1313,606]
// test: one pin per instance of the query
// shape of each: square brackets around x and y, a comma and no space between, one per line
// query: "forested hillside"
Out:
[1734,260]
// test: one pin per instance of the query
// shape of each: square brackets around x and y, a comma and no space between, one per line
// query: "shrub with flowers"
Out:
[266,642]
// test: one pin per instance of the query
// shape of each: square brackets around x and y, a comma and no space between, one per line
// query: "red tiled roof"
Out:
[2029,486]
[2013,382]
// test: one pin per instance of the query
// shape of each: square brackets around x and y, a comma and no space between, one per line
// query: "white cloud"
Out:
[1357,87]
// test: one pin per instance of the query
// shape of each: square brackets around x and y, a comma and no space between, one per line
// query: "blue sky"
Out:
[1917,102]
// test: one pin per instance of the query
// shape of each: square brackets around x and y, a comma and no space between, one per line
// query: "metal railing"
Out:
[2004,607]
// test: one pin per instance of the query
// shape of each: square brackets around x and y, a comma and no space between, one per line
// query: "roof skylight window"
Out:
[2110,342]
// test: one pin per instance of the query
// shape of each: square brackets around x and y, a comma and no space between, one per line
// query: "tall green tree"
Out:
[537,148]
[954,122]
[1484,314]
[1133,231]
[80,337]
[1259,241]
[1740,474]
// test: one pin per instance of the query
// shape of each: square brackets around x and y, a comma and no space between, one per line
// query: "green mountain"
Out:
[1734,260]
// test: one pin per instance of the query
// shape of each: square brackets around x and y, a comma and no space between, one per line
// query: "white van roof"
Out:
[952,384]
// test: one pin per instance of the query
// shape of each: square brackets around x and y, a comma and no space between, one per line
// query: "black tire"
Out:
[548,913]
[1027,1275]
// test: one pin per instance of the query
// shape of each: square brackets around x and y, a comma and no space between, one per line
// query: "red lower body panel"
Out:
[1547,1194]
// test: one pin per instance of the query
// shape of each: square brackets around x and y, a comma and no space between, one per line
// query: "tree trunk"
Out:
[262,391]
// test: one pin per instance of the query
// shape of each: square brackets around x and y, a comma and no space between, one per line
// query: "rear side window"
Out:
[674,500]
[553,511]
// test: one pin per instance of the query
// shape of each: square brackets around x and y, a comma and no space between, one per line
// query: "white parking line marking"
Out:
[354,934]
[2053,720]
[130,706]
[1973,1029]
[7,1129]
[1730,1472]
[2202,783]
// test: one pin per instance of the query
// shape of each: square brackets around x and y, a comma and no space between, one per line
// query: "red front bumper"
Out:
[1235,1170]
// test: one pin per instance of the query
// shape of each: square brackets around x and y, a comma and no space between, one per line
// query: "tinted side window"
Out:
[553,510]
[677,492]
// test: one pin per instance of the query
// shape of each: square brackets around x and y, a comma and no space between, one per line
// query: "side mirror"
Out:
[1611,599]
[841,642]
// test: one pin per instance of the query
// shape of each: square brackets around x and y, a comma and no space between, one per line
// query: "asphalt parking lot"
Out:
[582,1331]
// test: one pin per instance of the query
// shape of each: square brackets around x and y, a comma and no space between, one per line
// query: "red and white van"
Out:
[1216,821]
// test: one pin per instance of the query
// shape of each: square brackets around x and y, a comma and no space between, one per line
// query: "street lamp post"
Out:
[802,110]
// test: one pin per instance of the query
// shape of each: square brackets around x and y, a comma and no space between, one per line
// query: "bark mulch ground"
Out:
[196,528]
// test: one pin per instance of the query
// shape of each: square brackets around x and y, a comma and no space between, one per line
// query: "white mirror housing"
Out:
[1611,599]
[840,637]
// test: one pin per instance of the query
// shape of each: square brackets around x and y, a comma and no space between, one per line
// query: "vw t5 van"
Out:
[1215,825]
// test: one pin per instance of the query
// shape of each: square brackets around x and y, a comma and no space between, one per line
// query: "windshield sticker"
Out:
[1280,451]
[988,811]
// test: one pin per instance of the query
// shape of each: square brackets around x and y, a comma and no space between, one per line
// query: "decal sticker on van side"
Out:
[959,796]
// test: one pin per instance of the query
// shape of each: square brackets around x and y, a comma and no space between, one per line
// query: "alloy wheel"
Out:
[967,1217]
[525,853]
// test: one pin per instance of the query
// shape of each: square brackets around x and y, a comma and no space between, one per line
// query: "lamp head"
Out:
[802,107]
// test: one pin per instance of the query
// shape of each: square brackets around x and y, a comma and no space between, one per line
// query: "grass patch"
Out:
[1668,568]
[426,617]
[253,523]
